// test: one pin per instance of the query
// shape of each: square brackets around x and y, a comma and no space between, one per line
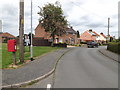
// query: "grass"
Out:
[7,57]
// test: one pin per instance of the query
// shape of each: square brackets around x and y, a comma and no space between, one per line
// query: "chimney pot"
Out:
[90,30]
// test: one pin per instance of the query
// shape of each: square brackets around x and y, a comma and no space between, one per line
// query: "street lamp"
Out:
[31,46]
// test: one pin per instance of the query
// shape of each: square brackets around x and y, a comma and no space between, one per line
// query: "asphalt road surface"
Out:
[83,68]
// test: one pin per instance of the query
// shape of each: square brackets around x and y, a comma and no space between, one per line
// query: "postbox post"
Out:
[14,58]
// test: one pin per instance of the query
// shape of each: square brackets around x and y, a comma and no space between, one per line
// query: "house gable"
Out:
[40,32]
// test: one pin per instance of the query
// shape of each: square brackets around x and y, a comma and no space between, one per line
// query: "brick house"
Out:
[6,36]
[69,37]
[89,35]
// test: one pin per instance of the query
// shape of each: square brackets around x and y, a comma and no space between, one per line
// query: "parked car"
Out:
[92,44]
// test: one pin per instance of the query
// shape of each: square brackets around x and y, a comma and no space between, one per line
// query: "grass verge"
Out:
[7,57]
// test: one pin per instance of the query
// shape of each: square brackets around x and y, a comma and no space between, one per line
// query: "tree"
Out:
[53,20]
[78,34]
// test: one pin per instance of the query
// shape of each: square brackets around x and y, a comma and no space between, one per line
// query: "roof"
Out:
[6,34]
[93,33]
[96,33]
[71,30]
[103,35]
[86,36]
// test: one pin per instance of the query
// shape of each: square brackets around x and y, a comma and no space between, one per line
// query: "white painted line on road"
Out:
[48,86]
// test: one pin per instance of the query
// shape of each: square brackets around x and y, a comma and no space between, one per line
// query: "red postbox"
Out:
[12,47]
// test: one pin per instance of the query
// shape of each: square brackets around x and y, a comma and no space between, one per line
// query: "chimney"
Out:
[90,30]
[101,33]
[71,27]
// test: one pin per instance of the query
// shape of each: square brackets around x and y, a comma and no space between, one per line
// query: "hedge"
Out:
[114,47]
[83,42]
[60,45]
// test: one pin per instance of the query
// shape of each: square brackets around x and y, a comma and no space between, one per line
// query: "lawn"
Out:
[7,57]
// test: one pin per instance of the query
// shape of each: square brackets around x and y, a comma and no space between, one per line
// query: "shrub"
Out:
[114,47]
[83,42]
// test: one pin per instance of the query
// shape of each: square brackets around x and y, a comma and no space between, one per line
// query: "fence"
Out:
[41,42]
[44,42]
[61,45]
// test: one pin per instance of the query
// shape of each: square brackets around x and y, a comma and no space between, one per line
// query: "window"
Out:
[60,40]
[66,40]
[66,33]
[73,33]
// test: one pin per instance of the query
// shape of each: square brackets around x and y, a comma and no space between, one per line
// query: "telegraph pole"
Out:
[108,26]
[1,53]
[21,31]
[119,19]
[0,26]
[31,49]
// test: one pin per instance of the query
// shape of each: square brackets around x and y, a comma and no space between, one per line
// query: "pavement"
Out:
[32,71]
[109,54]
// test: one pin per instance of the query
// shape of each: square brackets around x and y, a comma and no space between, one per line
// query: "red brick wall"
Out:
[40,32]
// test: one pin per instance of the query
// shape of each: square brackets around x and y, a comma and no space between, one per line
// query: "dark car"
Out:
[92,44]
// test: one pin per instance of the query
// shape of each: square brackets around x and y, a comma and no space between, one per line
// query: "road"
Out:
[83,68]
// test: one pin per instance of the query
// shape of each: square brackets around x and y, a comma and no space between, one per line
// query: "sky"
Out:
[82,15]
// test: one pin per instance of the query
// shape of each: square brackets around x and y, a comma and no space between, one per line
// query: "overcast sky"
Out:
[81,14]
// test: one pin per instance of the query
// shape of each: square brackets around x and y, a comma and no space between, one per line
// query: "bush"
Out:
[83,42]
[114,47]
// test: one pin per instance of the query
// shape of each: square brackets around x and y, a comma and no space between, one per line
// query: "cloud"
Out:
[9,12]
[115,16]
[94,25]
[81,14]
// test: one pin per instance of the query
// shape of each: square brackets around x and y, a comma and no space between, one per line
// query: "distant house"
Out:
[103,37]
[70,35]
[6,36]
[89,35]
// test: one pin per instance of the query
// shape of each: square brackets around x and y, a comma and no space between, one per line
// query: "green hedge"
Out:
[83,42]
[114,47]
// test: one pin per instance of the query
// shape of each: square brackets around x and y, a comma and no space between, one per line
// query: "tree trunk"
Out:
[53,37]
